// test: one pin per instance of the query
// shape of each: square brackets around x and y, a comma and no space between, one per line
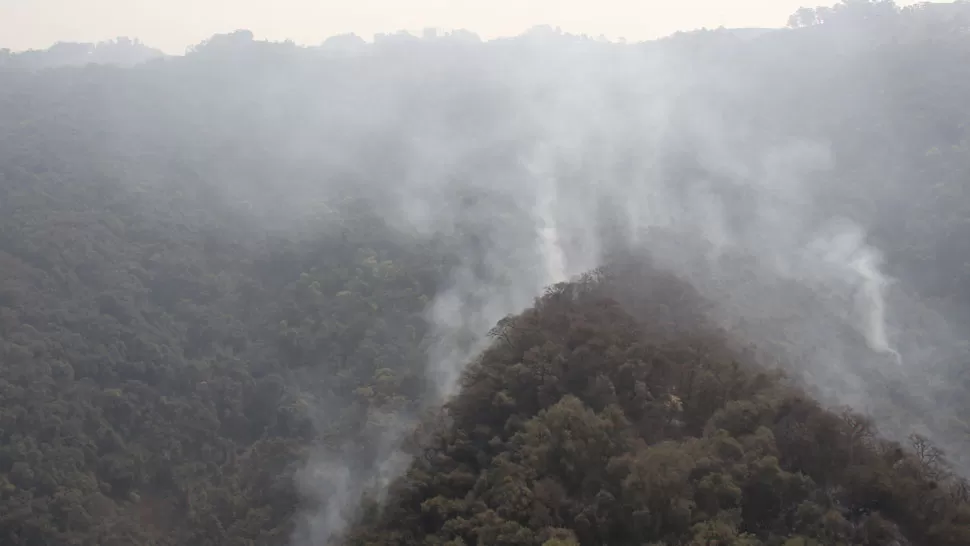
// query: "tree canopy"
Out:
[212,285]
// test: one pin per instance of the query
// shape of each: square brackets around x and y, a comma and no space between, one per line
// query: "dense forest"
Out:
[546,290]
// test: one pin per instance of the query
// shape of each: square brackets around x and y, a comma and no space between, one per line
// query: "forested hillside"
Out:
[544,290]
[595,422]
[121,51]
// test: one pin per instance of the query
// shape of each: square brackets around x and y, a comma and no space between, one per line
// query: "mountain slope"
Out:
[219,277]
[584,425]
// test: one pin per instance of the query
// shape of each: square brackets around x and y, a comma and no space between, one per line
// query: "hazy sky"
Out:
[172,25]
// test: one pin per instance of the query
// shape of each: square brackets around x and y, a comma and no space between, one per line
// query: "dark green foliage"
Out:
[185,315]
[159,377]
[622,431]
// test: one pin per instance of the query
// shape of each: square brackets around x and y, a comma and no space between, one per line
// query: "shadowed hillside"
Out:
[591,421]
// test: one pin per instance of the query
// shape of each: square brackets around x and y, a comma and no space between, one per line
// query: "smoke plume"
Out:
[533,155]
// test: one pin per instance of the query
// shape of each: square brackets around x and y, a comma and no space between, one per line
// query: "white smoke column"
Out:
[874,303]
[551,248]
[482,290]
[501,281]
[335,483]
[859,264]
[607,132]
[329,483]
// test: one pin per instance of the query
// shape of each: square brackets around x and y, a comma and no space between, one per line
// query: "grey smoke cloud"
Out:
[533,152]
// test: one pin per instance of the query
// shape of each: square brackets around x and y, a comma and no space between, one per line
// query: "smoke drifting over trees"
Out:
[538,290]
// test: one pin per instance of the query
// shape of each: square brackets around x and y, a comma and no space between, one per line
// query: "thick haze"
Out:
[534,159]
[173,25]
[543,154]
